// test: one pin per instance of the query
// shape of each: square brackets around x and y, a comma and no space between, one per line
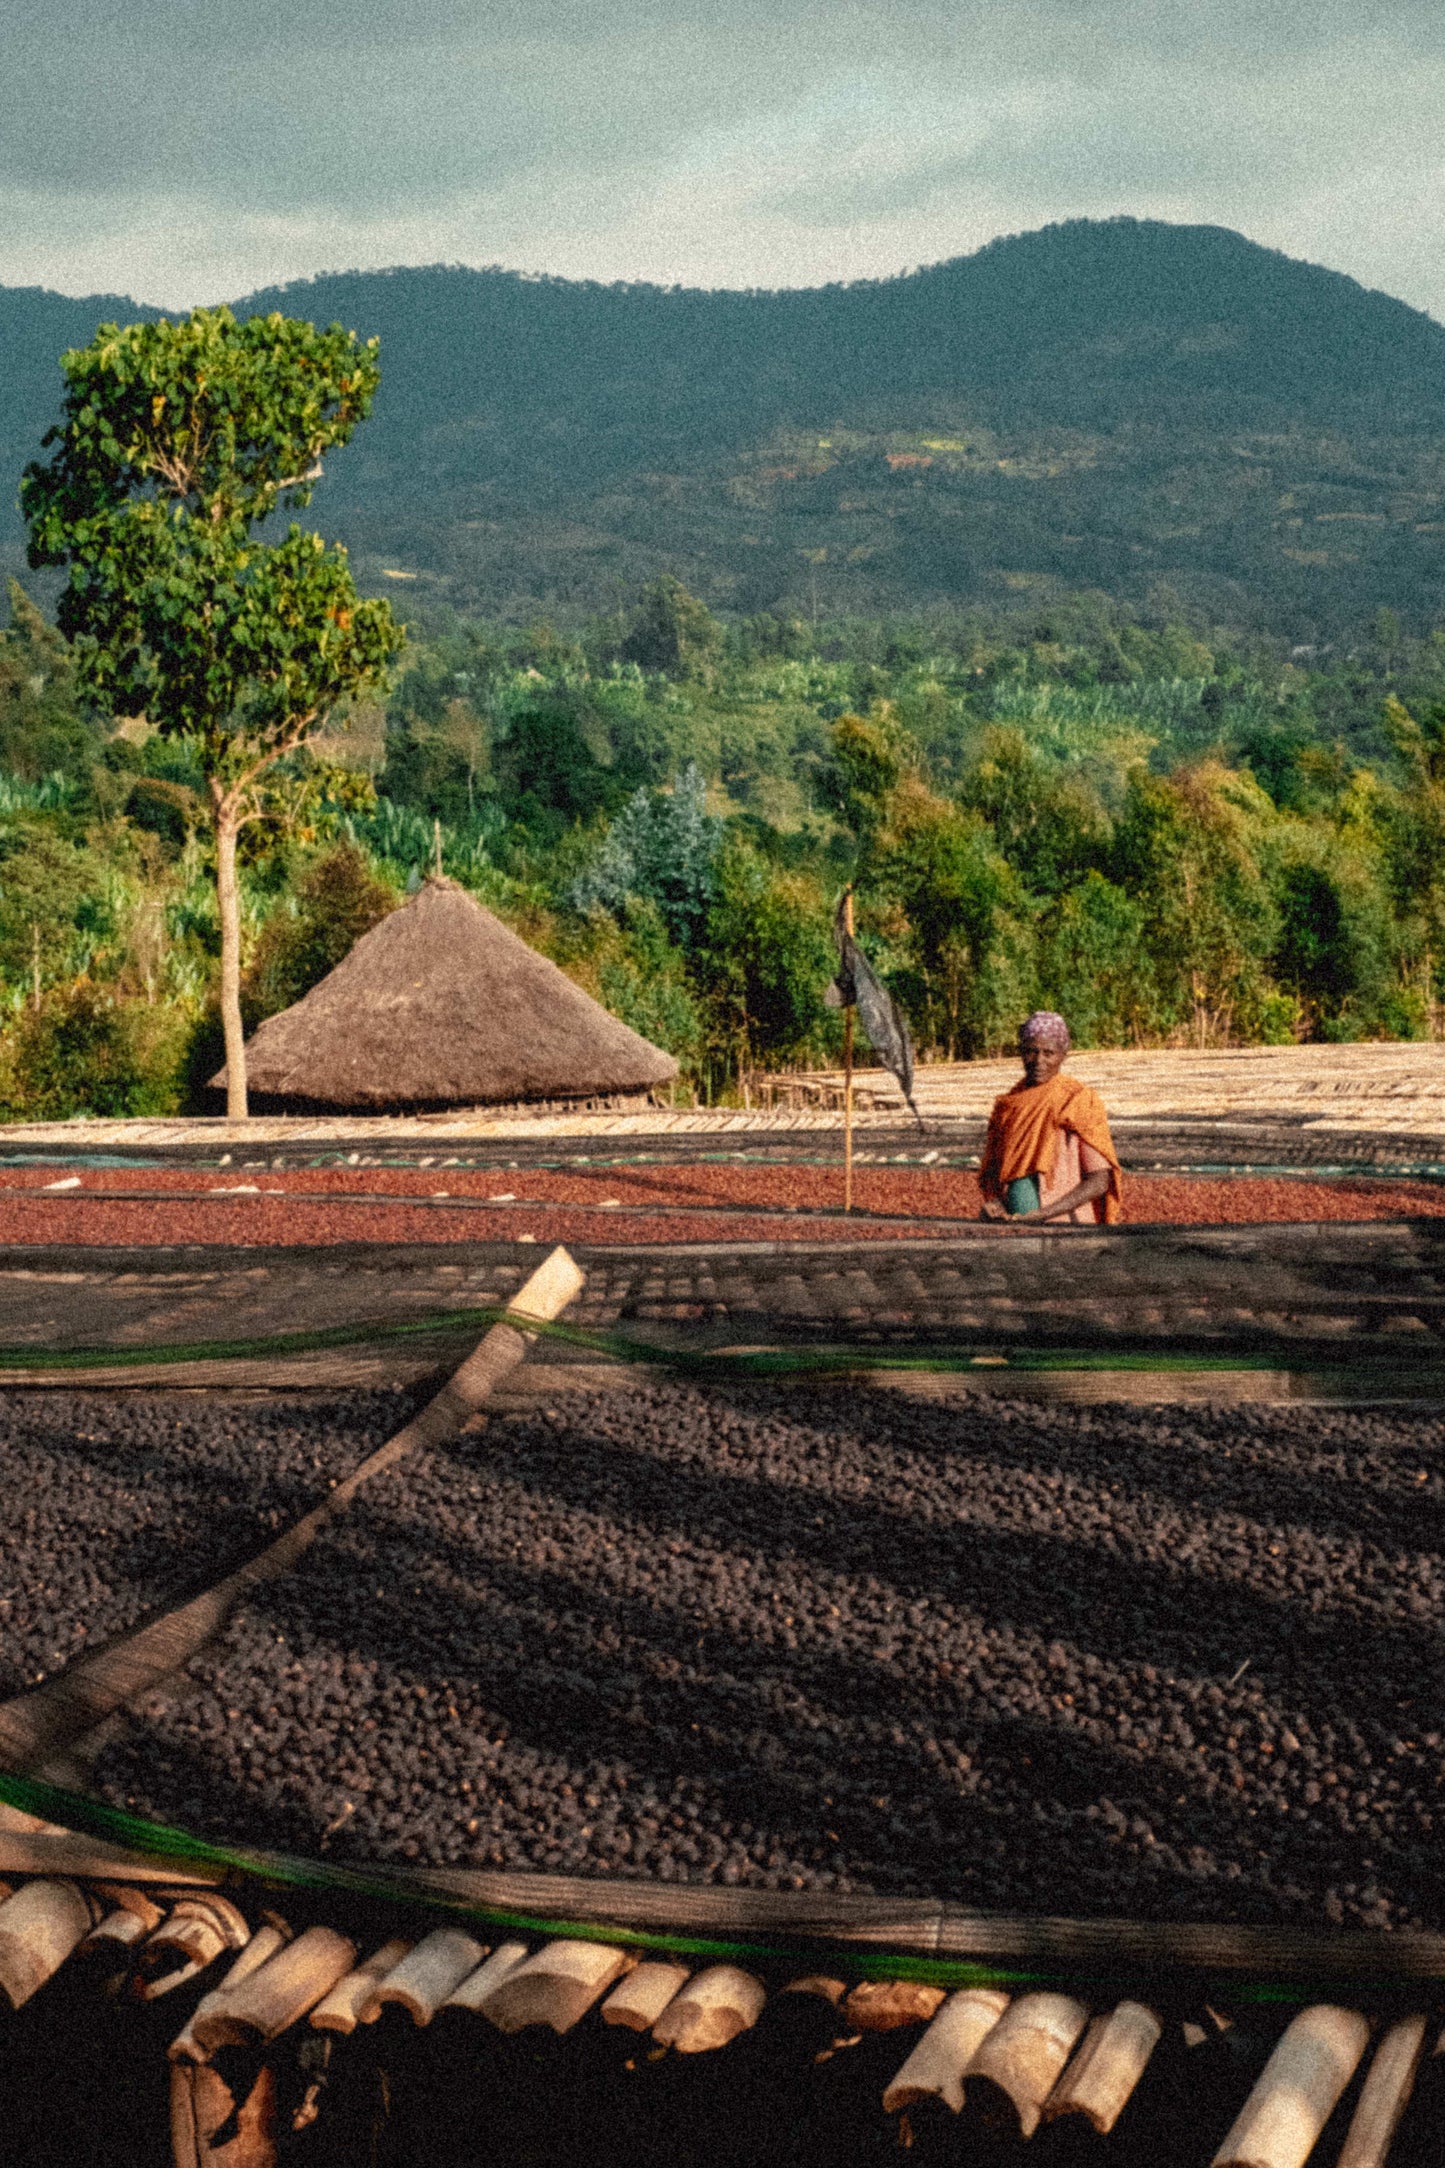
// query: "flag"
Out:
[858,986]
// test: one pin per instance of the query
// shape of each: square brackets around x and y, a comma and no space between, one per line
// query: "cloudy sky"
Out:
[192,150]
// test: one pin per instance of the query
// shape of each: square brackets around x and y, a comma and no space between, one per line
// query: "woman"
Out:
[1049,1155]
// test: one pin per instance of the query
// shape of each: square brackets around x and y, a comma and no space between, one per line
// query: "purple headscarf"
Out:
[1047,1027]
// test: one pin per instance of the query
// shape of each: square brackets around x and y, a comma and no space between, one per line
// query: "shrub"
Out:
[642,978]
[166,809]
[84,1052]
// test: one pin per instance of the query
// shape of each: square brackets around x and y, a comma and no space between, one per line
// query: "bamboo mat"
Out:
[1395,1088]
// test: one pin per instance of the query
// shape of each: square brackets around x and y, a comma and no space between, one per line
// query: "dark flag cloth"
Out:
[858,986]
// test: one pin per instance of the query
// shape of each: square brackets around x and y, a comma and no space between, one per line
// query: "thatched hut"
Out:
[441,1005]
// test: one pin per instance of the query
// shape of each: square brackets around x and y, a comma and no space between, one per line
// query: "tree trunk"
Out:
[228,896]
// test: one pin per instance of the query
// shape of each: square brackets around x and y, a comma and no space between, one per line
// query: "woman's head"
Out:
[1043,1044]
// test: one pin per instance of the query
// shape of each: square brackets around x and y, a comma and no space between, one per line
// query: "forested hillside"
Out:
[1108,406]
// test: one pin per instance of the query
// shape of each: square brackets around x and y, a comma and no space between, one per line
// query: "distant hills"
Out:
[1112,405]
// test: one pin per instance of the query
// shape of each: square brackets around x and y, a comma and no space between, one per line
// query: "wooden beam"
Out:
[1106,1949]
[44,1852]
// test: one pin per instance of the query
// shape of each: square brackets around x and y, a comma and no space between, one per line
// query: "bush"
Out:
[1333,950]
[672,632]
[1091,965]
[165,809]
[53,907]
[961,944]
[84,1052]
[551,767]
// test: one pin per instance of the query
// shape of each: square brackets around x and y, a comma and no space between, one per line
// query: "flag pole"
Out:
[848,1072]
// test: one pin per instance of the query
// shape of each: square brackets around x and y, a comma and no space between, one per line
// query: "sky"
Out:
[186,151]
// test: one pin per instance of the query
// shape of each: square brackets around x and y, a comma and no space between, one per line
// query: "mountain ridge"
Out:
[1111,404]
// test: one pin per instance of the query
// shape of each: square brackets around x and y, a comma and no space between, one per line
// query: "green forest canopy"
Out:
[1172,832]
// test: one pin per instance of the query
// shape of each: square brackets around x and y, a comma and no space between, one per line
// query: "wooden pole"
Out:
[1208,1954]
[47,1718]
[848,1072]
[228,898]
[1385,2095]
[1281,2121]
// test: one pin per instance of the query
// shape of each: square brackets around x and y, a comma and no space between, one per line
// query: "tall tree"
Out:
[177,441]
[868,757]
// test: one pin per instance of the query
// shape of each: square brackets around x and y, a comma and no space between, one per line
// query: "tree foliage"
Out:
[177,441]
[85,1051]
[662,848]
[765,959]
[1036,808]
[45,729]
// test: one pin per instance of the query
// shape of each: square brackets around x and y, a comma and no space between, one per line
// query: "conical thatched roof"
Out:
[441,1005]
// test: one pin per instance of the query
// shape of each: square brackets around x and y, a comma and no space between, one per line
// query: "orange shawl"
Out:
[1024,1131]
